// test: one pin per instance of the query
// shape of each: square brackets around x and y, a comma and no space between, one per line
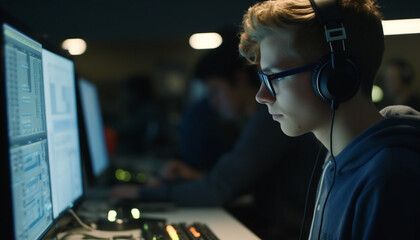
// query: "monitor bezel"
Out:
[5,179]
[7,213]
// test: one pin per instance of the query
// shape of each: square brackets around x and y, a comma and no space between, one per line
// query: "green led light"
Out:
[127,176]
[119,174]
[122,175]
[135,213]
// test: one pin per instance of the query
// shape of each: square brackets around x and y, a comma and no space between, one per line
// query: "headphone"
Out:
[335,78]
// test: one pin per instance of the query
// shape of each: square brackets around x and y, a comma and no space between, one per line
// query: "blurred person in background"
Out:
[204,136]
[400,85]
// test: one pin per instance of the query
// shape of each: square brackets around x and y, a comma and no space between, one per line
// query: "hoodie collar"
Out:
[383,134]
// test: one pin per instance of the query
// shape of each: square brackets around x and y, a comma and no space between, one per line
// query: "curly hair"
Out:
[362,21]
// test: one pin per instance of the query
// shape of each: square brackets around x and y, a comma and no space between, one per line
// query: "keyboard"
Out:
[159,230]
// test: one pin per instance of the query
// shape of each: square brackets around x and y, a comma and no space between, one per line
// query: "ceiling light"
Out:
[401,26]
[75,46]
[205,40]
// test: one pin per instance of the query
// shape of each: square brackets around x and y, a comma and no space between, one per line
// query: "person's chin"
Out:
[291,132]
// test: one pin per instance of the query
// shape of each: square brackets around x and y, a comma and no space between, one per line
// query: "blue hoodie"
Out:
[375,193]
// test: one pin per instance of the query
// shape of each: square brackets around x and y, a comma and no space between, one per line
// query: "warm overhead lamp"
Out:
[401,26]
[75,46]
[205,40]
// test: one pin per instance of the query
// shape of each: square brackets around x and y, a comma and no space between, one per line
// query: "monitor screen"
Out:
[27,134]
[62,129]
[94,128]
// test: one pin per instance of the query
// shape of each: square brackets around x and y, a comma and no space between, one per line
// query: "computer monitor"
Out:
[25,168]
[97,160]
[62,131]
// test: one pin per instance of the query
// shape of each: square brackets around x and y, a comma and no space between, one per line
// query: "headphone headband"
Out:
[329,15]
[336,78]
[327,10]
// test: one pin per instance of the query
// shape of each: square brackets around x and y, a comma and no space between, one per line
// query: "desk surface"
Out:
[224,225]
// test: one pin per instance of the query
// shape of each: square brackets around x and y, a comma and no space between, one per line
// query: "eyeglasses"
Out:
[266,79]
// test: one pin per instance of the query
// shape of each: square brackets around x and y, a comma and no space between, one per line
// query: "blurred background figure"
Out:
[400,83]
[211,124]
[203,137]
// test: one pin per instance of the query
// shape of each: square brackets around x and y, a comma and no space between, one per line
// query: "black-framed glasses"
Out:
[266,79]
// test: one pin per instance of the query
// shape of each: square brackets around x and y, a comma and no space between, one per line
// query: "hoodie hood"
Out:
[400,129]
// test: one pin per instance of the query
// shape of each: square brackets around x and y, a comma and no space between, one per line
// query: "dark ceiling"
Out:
[126,19]
[146,19]
[130,36]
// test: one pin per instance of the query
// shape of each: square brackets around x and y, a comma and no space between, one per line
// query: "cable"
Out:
[331,131]
[85,226]
[308,191]
[100,234]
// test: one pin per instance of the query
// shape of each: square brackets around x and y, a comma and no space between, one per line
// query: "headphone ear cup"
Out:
[316,77]
[339,84]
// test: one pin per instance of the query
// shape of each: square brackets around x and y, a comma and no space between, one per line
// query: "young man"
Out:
[318,61]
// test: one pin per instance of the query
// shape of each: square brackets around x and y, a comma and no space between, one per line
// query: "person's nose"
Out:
[264,96]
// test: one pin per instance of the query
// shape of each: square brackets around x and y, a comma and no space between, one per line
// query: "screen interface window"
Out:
[32,206]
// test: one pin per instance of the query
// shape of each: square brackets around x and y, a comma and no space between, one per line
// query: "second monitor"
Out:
[63,132]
